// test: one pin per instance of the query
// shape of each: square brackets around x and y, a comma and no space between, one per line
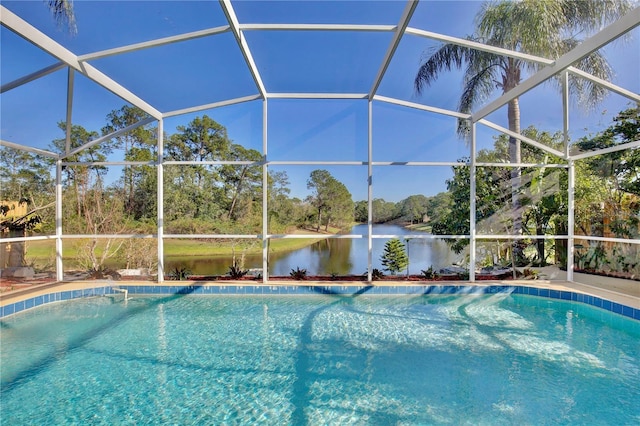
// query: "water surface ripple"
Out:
[454,359]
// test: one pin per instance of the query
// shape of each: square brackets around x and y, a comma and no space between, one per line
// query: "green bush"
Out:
[179,273]
[236,272]
[298,274]
[376,274]
[429,274]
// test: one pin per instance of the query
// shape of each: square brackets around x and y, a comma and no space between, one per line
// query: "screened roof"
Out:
[175,57]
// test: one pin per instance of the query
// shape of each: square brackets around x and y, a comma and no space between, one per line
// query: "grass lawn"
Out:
[186,247]
[422,227]
[45,251]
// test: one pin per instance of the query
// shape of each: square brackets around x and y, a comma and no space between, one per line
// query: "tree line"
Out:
[219,192]
[214,196]
[606,201]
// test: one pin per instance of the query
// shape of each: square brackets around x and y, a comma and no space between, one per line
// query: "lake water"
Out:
[331,256]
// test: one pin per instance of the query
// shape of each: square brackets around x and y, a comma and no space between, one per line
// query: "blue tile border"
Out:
[330,289]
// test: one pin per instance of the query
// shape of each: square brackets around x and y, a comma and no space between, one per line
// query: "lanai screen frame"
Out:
[551,68]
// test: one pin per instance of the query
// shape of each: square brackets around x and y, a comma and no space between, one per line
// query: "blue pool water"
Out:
[464,359]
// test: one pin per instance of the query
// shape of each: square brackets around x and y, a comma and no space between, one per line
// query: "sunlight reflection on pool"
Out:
[492,359]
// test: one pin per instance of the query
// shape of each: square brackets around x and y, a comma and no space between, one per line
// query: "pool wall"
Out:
[10,305]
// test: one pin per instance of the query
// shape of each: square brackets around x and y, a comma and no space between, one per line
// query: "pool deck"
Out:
[625,292]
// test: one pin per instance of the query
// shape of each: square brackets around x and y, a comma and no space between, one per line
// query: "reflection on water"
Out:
[330,256]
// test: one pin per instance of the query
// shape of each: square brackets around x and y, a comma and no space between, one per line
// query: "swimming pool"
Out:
[447,359]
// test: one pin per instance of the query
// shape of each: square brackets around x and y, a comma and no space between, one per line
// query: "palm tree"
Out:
[545,28]
[62,11]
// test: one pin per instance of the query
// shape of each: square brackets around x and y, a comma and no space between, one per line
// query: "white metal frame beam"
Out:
[600,39]
[211,106]
[33,76]
[316,27]
[154,43]
[421,107]
[522,138]
[160,200]
[317,96]
[69,109]
[612,87]
[109,136]
[507,165]
[608,239]
[59,231]
[265,195]
[472,204]
[109,163]
[395,41]
[478,46]
[28,149]
[230,13]
[32,34]
[566,139]
[571,190]
[369,189]
[621,147]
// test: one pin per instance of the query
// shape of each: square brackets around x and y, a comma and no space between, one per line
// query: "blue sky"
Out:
[212,69]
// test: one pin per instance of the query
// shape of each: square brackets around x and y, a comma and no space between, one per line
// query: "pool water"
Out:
[463,359]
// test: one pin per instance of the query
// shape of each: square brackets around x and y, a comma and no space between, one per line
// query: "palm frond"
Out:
[477,89]
[591,16]
[445,58]
[543,28]
[588,93]
[62,11]
[479,84]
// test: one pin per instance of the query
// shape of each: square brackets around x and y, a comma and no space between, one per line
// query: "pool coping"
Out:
[16,301]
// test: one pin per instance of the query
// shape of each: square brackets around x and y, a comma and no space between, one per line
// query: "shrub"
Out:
[298,274]
[429,274]
[236,272]
[376,274]
[464,276]
[179,273]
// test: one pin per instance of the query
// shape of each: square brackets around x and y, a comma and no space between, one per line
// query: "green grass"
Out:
[420,227]
[188,247]
[41,251]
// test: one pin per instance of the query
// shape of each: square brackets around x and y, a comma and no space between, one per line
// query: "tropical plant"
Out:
[236,272]
[530,274]
[179,273]
[428,274]
[376,274]
[298,274]
[394,258]
[464,276]
[547,28]
[619,167]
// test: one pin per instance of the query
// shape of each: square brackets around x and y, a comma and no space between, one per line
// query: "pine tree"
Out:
[394,258]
